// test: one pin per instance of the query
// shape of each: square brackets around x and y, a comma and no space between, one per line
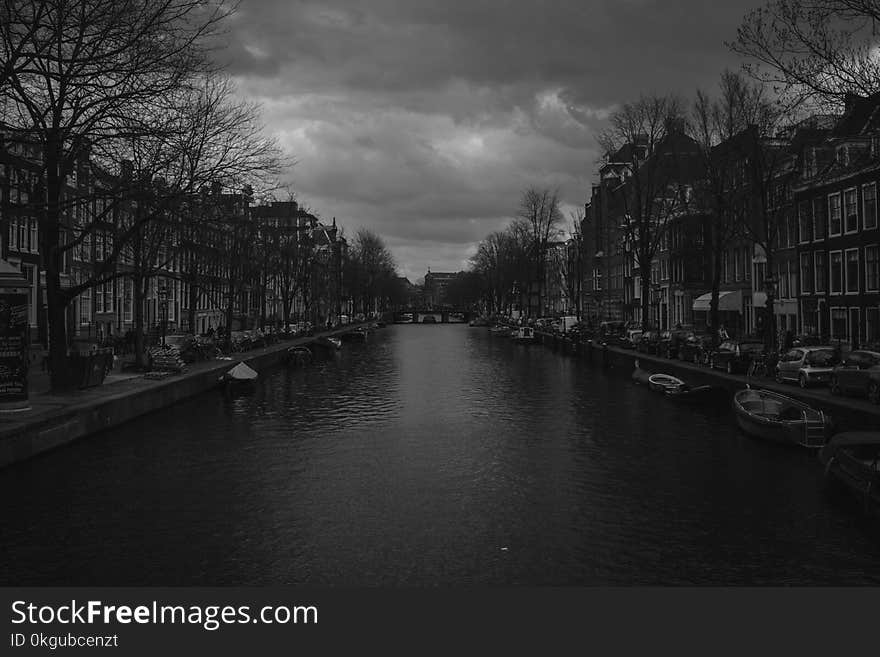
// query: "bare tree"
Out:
[96,69]
[369,268]
[658,164]
[539,210]
[813,52]
[715,124]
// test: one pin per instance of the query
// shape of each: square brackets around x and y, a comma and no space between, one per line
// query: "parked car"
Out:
[806,365]
[696,348]
[671,342]
[630,339]
[611,333]
[858,374]
[734,356]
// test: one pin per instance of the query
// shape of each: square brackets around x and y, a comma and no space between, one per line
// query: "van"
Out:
[567,322]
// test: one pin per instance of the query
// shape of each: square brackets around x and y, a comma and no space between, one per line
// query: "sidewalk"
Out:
[57,418]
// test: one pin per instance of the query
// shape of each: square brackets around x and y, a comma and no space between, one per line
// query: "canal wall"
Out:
[56,420]
[848,413]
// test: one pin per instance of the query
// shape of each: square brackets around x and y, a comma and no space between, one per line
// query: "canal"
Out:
[431,455]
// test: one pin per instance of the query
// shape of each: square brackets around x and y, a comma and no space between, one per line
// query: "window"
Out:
[851,203]
[35,236]
[819,217]
[22,234]
[836,272]
[85,306]
[869,205]
[838,324]
[852,271]
[819,269]
[806,274]
[805,221]
[872,268]
[13,233]
[834,218]
[782,277]
[872,325]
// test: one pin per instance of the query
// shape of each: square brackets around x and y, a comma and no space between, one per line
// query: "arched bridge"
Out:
[433,316]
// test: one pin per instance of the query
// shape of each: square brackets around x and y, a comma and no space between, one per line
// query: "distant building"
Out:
[435,287]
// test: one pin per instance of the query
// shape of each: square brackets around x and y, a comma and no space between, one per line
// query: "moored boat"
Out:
[500,331]
[524,335]
[768,415]
[328,342]
[695,394]
[240,374]
[299,356]
[663,382]
[641,376]
[852,459]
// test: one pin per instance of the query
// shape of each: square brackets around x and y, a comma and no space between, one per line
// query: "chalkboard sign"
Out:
[13,348]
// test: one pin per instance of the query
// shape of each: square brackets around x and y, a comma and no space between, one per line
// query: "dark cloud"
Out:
[425,121]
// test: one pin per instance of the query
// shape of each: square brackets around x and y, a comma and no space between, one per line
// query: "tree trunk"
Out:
[139,292]
[645,280]
[56,300]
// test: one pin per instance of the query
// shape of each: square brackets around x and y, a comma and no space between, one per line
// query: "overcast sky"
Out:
[425,120]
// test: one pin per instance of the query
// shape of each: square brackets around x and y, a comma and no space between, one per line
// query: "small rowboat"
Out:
[664,382]
[780,419]
[695,395]
[329,342]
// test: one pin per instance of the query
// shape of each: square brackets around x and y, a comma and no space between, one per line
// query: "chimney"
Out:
[216,188]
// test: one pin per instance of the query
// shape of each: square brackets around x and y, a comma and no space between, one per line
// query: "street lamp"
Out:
[163,305]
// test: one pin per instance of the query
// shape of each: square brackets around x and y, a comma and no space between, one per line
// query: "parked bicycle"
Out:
[765,366]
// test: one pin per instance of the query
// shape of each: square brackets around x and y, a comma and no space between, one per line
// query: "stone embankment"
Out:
[57,419]
[849,413]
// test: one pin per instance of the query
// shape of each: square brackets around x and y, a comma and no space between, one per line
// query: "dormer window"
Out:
[843,155]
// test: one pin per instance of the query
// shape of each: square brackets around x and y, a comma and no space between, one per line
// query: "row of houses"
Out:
[794,219]
[202,260]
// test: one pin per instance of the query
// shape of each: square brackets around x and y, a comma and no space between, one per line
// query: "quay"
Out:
[57,419]
[849,413]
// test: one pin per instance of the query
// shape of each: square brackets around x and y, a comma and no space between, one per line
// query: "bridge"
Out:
[433,316]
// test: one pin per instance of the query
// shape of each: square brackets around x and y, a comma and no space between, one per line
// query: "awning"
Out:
[727,300]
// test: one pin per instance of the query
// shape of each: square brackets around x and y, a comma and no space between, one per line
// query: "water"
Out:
[433,455]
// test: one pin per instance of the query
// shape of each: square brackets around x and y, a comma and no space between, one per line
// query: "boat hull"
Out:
[782,433]
[779,419]
[858,476]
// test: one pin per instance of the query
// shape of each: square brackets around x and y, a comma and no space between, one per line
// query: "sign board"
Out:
[13,349]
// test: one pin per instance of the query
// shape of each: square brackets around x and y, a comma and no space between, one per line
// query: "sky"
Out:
[425,121]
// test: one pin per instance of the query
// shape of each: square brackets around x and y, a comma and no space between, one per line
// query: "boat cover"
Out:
[241,372]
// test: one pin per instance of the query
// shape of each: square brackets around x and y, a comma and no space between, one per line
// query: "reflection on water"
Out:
[431,455]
